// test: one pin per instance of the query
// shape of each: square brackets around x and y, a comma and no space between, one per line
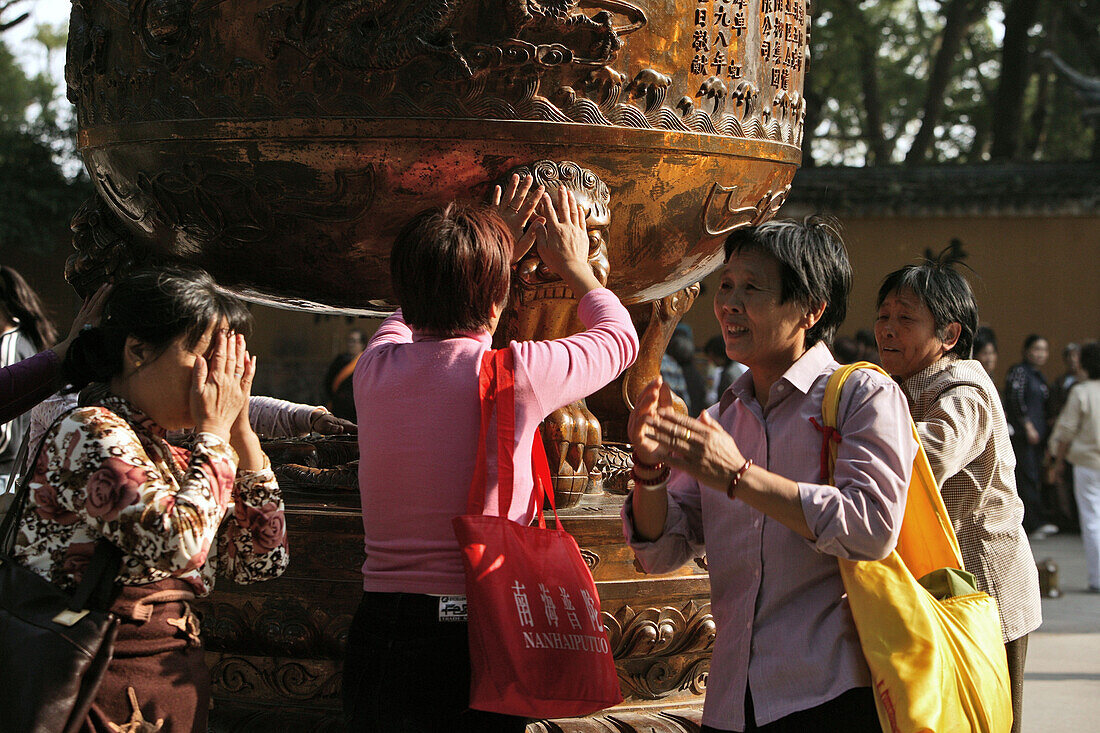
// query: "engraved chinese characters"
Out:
[555,632]
[721,39]
[783,41]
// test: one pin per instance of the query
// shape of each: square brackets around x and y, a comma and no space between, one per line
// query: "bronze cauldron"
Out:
[281,143]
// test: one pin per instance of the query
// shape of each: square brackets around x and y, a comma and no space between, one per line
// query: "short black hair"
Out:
[156,306]
[814,265]
[1031,339]
[1090,359]
[983,337]
[946,293]
[449,266]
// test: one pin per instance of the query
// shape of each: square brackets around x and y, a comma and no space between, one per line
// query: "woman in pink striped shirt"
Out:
[416,396]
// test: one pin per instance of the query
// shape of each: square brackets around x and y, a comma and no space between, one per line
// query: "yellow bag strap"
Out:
[926,541]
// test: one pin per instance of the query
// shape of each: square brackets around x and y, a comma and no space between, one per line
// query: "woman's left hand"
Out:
[516,206]
[246,372]
[701,448]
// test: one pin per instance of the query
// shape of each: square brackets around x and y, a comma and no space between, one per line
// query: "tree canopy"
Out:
[920,81]
[37,197]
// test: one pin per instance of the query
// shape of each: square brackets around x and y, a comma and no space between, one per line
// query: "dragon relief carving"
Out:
[165,29]
[211,203]
[386,35]
[594,39]
[359,54]
[374,35]
[105,248]
[722,216]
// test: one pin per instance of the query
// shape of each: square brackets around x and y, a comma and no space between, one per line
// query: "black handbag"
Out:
[54,647]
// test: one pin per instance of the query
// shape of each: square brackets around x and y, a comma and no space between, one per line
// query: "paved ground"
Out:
[1062,676]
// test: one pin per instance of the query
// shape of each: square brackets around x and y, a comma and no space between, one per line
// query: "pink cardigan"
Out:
[418,413]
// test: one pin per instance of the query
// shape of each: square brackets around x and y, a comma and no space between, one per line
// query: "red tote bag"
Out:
[537,646]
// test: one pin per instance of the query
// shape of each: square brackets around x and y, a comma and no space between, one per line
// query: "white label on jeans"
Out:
[452,608]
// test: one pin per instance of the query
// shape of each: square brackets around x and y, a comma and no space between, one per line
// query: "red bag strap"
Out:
[544,487]
[506,427]
[475,503]
[496,387]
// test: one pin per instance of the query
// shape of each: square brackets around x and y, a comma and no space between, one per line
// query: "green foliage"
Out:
[38,200]
[896,34]
[870,76]
[19,93]
[36,197]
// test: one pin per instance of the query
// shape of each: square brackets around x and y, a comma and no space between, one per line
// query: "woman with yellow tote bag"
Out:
[925,327]
[930,638]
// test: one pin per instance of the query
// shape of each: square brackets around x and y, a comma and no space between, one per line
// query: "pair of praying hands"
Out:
[555,226]
[699,447]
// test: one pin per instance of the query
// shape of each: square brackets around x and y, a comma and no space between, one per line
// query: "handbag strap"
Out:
[10,525]
[496,389]
[22,479]
[97,585]
[926,541]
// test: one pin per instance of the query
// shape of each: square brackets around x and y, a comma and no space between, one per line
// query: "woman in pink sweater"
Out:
[416,396]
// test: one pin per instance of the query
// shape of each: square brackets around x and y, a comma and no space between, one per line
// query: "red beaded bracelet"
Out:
[647,466]
[659,480]
[737,478]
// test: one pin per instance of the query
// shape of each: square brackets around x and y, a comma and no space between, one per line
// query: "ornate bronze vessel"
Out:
[281,144]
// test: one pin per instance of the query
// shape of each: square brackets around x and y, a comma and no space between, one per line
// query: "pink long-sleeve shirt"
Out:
[416,399]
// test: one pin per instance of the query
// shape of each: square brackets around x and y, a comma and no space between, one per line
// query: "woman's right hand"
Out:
[655,395]
[218,390]
[563,241]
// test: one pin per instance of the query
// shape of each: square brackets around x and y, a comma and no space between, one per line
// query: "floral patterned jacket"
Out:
[106,470]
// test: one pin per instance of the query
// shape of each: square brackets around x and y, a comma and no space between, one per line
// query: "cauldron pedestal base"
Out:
[275,648]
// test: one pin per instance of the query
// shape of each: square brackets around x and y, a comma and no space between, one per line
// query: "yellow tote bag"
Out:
[933,645]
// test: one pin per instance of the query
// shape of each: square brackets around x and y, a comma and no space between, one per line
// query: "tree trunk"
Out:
[872,101]
[813,119]
[960,15]
[1037,121]
[867,45]
[1008,102]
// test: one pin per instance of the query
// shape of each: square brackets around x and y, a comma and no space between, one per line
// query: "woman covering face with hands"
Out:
[169,354]
[744,484]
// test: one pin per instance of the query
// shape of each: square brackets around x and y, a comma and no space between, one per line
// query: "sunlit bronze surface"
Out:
[281,145]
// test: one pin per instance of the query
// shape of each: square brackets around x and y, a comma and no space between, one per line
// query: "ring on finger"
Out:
[687,435]
[514,210]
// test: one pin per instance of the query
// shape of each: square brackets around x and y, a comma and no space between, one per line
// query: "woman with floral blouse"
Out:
[169,354]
